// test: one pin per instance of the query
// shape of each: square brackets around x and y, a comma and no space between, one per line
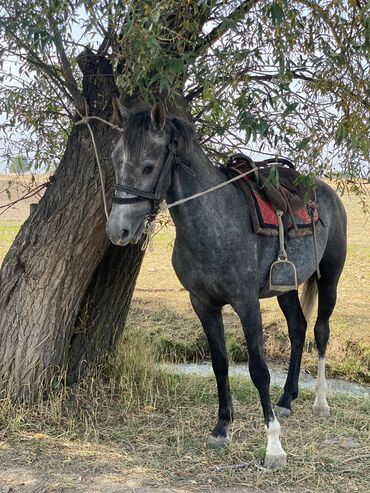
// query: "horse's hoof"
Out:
[321,411]
[282,412]
[274,461]
[217,442]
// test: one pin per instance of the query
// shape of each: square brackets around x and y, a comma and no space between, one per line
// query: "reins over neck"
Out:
[159,193]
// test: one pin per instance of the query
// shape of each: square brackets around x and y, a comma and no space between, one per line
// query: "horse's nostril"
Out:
[124,234]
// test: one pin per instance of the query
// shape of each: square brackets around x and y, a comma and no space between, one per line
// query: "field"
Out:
[133,427]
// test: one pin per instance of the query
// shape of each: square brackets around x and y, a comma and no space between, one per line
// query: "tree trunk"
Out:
[64,289]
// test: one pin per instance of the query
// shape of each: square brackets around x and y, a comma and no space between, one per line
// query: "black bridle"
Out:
[160,189]
[157,196]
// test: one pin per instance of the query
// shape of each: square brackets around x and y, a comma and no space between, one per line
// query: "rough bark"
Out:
[64,290]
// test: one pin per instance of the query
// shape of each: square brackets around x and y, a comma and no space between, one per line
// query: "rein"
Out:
[157,196]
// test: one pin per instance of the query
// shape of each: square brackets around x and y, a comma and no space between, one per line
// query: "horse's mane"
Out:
[138,123]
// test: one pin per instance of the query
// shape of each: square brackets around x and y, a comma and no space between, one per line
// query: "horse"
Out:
[220,260]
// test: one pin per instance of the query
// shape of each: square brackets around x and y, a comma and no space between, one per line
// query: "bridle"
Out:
[158,194]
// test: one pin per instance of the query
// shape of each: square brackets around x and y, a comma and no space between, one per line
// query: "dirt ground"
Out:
[23,479]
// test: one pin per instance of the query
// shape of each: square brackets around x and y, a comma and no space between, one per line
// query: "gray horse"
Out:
[220,260]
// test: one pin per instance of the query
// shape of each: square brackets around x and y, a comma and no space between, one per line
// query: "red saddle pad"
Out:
[265,220]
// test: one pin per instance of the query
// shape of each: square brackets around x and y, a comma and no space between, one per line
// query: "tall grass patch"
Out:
[129,418]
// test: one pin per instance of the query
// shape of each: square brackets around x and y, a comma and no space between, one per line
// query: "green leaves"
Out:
[280,76]
[252,125]
[291,107]
[277,13]
[302,144]
[40,38]
[341,132]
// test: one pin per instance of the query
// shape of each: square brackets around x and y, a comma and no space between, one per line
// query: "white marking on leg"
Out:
[320,406]
[275,455]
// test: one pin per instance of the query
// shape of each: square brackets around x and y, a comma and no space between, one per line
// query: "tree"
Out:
[19,165]
[290,74]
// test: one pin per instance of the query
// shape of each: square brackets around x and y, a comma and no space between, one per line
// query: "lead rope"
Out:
[208,190]
[85,120]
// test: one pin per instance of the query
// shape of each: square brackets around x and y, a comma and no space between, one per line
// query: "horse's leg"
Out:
[250,317]
[331,267]
[327,289]
[211,320]
[297,325]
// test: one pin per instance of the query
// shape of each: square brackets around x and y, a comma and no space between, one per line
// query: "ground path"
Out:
[21,479]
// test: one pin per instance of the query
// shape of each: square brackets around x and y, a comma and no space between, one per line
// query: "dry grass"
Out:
[129,424]
[133,424]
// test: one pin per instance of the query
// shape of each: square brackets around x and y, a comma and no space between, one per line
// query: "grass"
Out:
[8,231]
[131,422]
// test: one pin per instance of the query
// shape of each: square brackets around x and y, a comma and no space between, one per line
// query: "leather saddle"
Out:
[276,179]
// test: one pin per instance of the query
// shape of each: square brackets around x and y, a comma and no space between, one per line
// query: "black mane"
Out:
[138,123]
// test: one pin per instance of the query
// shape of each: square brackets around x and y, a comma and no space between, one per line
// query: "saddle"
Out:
[281,204]
[275,185]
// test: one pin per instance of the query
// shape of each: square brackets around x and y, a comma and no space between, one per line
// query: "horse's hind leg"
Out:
[211,319]
[297,325]
[250,317]
[327,288]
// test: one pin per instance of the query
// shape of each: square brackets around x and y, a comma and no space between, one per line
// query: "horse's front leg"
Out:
[211,320]
[250,317]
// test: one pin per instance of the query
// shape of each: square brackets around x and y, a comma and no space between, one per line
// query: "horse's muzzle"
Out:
[121,236]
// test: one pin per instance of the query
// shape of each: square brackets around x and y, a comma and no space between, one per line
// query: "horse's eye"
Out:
[148,169]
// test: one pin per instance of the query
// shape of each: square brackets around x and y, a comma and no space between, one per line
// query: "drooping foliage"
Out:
[287,77]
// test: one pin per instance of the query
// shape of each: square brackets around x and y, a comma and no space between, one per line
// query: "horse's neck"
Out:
[184,184]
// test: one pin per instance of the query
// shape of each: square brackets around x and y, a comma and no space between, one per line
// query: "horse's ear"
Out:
[119,112]
[158,116]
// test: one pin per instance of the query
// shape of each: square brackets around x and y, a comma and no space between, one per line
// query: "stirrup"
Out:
[283,273]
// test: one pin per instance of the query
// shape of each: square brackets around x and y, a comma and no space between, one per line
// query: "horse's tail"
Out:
[308,297]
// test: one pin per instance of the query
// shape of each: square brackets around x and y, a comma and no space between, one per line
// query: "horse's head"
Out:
[142,160]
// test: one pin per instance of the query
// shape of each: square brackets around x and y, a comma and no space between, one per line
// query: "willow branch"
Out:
[32,57]
[218,31]
[78,99]
[244,76]
[27,195]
